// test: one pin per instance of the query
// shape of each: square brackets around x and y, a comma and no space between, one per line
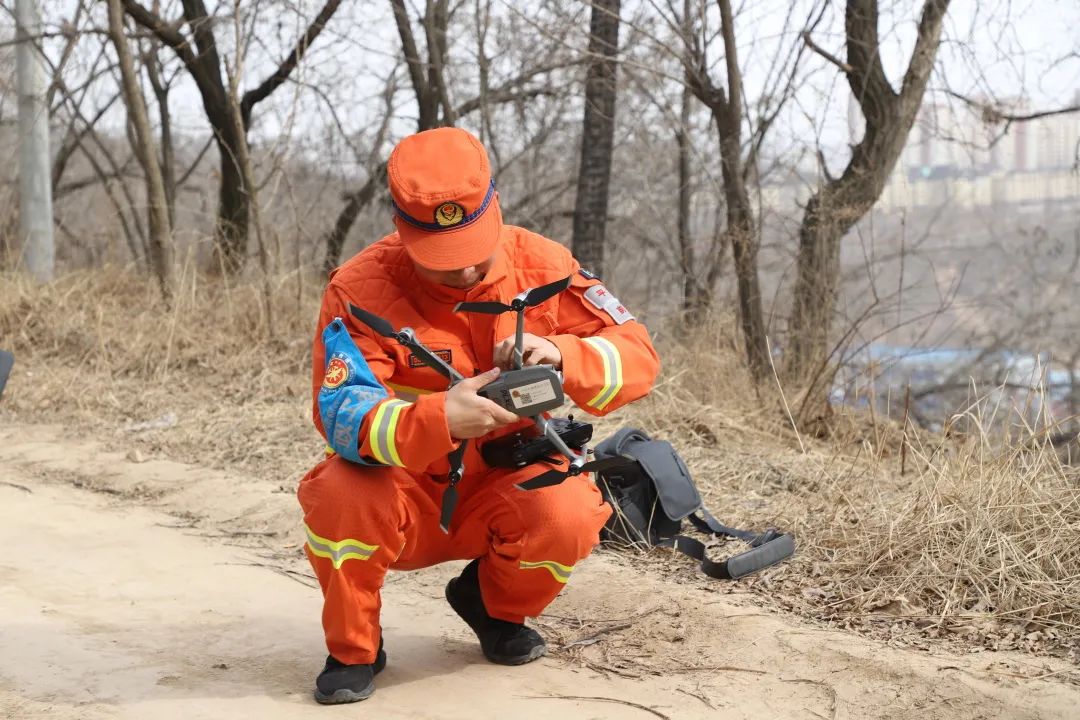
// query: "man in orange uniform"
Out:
[373,503]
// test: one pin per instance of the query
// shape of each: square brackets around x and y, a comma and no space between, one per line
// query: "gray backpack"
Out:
[652,496]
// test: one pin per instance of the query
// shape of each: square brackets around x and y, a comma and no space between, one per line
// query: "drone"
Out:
[526,391]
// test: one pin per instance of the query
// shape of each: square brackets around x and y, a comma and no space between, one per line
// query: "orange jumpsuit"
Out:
[373,503]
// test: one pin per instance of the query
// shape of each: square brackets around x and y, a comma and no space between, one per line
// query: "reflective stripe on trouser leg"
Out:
[613,372]
[338,551]
[560,572]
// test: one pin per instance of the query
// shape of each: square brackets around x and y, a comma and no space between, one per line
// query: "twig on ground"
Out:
[827,686]
[595,637]
[697,696]
[17,486]
[639,706]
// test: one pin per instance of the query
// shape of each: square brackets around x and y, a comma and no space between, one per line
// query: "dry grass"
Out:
[979,542]
[99,352]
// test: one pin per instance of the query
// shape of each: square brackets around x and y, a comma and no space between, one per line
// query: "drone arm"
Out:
[552,434]
[519,342]
[408,338]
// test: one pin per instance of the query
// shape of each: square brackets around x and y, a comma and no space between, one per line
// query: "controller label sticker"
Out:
[532,394]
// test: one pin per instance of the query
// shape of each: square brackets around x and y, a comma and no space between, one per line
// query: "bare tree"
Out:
[598,132]
[201,57]
[726,105]
[842,201]
[161,246]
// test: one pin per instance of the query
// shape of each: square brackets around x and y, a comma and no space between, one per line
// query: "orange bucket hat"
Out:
[445,206]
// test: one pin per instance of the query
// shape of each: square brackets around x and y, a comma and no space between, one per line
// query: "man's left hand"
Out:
[535,350]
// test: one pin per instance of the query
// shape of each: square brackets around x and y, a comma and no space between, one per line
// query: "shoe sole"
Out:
[535,654]
[345,696]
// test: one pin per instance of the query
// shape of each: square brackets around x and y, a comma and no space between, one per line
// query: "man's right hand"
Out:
[470,416]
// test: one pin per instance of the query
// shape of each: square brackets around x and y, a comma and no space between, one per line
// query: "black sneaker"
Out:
[339,683]
[503,642]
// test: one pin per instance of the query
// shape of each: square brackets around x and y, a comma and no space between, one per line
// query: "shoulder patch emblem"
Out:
[337,372]
[587,274]
[600,297]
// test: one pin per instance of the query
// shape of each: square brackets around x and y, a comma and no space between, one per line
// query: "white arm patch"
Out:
[599,296]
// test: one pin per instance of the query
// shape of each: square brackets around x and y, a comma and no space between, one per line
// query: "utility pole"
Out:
[35,184]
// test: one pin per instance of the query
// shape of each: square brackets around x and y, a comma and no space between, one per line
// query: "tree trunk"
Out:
[355,203]
[697,291]
[168,154]
[160,237]
[741,233]
[741,236]
[231,225]
[843,201]
[597,138]
[691,295]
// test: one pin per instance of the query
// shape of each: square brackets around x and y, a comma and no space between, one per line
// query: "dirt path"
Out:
[164,590]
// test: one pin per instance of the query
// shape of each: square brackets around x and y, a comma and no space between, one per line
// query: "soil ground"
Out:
[134,588]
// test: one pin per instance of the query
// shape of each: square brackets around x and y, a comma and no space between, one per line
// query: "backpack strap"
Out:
[766,549]
[706,523]
[778,547]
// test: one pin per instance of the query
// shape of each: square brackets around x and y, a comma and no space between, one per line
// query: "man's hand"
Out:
[470,416]
[535,350]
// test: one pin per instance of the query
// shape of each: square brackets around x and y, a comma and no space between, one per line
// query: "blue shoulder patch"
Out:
[349,391]
[587,274]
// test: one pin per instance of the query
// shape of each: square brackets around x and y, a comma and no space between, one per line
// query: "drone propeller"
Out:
[491,307]
[532,296]
[450,494]
[376,323]
[554,477]
[407,337]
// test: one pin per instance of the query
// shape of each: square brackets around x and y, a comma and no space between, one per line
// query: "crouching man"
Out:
[373,504]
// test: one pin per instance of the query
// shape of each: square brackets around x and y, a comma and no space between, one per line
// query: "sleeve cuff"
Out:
[570,347]
[428,438]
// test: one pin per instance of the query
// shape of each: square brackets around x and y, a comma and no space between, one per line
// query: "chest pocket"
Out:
[413,378]
[541,320]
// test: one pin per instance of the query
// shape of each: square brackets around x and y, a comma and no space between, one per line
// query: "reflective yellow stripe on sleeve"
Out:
[383,433]
[405,392]
[558,571]
[338,551]
[613,373]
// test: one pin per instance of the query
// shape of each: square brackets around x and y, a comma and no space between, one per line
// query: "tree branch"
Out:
[994,115]
[435,30]
[281,74]
[408,45]
[825,53]
[925,50]
[497,97]
[867,77]
[168,32]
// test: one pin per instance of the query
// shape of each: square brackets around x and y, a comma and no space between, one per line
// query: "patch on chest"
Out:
[445,355]
[602,298]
